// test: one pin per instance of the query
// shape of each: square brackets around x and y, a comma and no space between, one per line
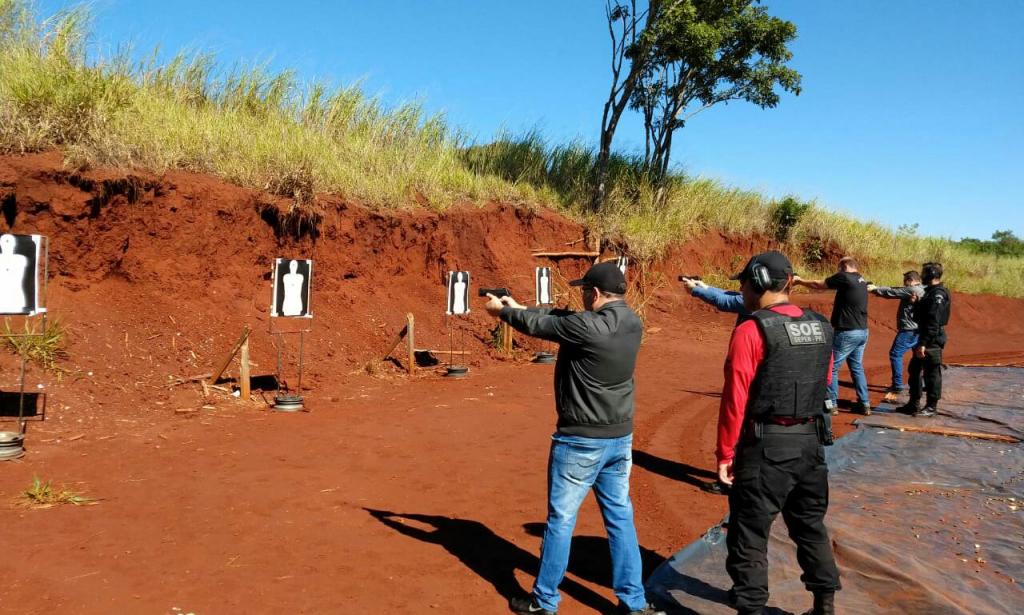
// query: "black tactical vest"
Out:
[791,381]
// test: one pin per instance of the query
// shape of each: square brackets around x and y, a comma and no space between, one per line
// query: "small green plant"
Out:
[785,215]
[45,348]
[42,495]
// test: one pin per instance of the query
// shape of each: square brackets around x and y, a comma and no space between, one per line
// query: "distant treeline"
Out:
[1003,243]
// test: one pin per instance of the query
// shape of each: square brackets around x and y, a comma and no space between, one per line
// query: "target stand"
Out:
[543,357]
[457,306]
[453,370]
[288,399]
[544,299]
[22,295]
[292,286]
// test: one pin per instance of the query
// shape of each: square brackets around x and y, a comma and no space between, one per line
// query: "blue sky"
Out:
[911,111]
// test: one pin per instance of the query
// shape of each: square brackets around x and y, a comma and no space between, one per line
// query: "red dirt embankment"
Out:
[395,493]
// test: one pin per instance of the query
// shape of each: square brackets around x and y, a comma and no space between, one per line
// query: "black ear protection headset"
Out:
[760,279]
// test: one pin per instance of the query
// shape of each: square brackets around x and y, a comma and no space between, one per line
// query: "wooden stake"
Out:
[506,338]
[244,375]
[217,373]
[410,325]
[398,340]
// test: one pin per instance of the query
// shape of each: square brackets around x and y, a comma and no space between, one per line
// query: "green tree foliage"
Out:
[785,215]
[700,53]
[1003,243]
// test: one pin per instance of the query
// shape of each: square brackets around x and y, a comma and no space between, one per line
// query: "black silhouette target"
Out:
[20,257]
[292,282]
[458,293]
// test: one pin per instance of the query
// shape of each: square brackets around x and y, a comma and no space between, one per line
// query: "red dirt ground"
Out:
[394,494]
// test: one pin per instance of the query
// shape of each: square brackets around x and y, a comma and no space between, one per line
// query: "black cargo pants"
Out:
[931,365]
[784,473]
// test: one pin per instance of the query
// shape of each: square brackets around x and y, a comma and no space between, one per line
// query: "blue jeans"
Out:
[848,346]
[903,343]
[574,466]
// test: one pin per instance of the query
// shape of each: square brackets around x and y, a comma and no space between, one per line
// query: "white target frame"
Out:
[458,293]
[622,262]
[27,289]
[542,286]
[284,293]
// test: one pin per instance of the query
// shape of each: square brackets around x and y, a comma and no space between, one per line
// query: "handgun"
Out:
[497,292]
[684,278]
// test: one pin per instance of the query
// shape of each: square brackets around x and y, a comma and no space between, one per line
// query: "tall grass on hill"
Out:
[267,131]
[247,125]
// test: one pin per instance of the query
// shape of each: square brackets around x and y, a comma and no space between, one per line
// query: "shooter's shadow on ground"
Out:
[675,470]
[488,555]
[590,557]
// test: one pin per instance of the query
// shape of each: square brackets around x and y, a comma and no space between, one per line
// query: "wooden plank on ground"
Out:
[941,430]
[570,254]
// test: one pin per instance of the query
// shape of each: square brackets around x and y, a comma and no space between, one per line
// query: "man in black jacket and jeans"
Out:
[931,313]
[593,442]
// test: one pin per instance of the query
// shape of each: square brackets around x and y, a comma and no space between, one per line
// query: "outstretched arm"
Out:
[815,284]
[891,292]
[722,300]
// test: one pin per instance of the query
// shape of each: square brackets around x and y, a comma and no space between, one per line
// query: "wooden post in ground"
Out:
[244,375]
[409,334]
[410,323]
[219,370]
[506,337]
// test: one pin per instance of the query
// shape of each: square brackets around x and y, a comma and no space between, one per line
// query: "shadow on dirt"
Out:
[698,477]
[490,556]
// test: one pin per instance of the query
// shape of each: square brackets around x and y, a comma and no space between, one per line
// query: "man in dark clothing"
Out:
[931,313]
[850,322]
[593,442]
[770,437]
[906,328]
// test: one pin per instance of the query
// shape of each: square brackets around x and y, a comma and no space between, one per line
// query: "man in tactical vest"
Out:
[771,428]
[931,313]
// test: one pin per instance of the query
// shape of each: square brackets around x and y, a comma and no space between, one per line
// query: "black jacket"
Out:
[931,313]
[905,313]
[594,372]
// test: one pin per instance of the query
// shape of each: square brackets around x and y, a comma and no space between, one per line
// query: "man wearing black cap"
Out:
[592,446]
[931,313]
[771,428]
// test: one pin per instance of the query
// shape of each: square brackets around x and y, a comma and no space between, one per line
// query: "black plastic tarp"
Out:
[920,523]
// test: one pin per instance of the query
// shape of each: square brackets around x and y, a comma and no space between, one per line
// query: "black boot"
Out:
[824,604]
[911,407]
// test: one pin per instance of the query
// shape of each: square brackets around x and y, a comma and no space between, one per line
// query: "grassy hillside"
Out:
[265,130]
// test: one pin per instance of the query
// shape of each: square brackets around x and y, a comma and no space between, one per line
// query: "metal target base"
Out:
[457,371]
[288,403]
[12,445]
[544,357]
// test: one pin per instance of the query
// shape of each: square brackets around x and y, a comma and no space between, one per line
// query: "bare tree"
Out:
[625,26]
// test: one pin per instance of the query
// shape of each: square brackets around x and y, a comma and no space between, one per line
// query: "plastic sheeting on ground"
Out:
[920,523]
